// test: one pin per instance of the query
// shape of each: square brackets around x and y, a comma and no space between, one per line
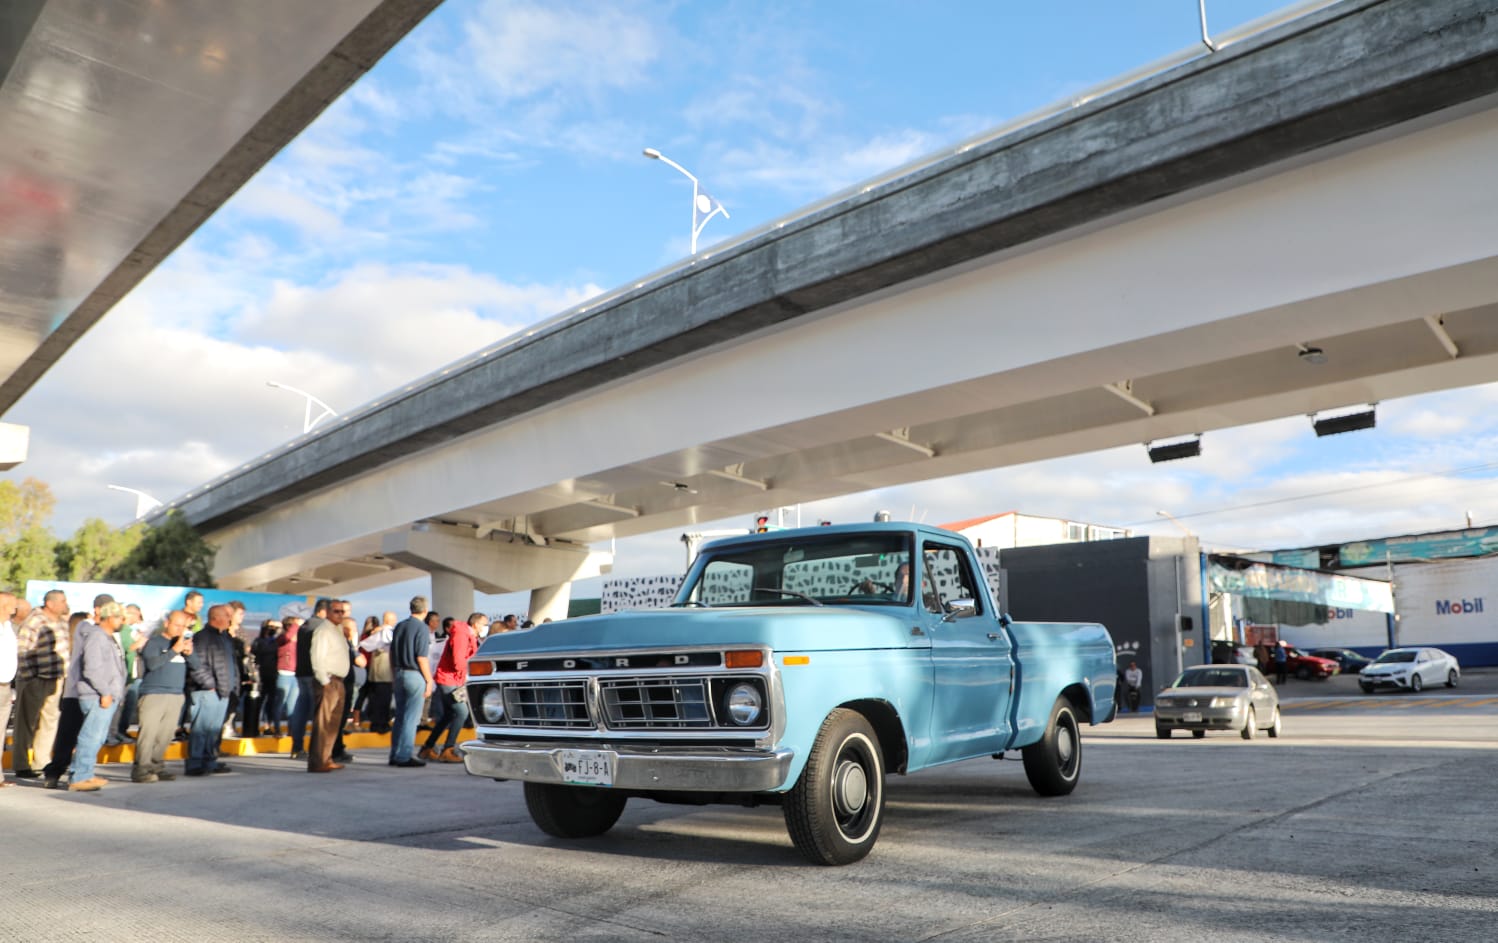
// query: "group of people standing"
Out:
[77,688]
[74,686]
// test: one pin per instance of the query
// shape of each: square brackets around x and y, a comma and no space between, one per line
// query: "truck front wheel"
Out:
[834,811]
[573,811]
[1054,764]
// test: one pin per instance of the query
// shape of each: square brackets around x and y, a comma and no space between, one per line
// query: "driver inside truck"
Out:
[898,589]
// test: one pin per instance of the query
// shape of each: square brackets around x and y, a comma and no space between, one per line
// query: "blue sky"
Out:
[488,174]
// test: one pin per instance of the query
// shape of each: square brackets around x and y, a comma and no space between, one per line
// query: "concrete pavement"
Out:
[1356,825]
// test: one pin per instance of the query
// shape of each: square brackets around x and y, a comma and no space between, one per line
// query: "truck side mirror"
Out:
[960,609]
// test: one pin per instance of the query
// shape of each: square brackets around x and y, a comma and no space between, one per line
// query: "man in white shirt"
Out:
[7,667]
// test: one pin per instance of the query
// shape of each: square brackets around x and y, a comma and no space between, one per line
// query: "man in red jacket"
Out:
[451,696]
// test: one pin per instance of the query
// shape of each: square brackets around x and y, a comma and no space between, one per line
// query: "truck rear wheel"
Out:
[835,810]
[1054,764]
[573,811]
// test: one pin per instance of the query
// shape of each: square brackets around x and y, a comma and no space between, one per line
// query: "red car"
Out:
[1303,666]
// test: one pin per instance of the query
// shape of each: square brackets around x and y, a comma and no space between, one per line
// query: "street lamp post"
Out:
[308,420]
[144,503]
[704,207]
[1172,518]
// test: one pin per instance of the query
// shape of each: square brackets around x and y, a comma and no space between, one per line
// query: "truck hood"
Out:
[808,629]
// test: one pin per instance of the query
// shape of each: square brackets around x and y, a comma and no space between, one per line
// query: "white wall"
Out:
[1448,603]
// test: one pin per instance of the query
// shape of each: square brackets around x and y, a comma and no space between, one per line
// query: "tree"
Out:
[170,554]
[27,548]
[24,507]
[30,556]
[95,549]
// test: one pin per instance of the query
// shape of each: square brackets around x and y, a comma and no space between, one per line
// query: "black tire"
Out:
[1251,725]
[1367,688]
[1416,684]
[1303,673]
[835,810]
[573,811]
[1198,734]
[1451,678]
[1054,764]
[1276,726]
[1163,732]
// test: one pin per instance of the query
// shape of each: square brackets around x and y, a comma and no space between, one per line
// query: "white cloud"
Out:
[402,321]
[186,395]
[824,167]
[265,200]
[520,49]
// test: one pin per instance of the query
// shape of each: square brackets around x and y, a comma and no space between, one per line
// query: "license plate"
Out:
[588,767]
[1192,717]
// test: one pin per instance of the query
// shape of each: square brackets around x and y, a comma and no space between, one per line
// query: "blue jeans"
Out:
[96,721]
[410,690]
[306,704]
[451,714]
[285,701]
[207,729]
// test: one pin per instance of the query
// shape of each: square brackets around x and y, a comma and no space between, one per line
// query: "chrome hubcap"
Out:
[850,787]
[1065,746]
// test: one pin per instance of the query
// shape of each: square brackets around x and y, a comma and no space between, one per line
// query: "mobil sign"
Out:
[1445,603]
[1458,607]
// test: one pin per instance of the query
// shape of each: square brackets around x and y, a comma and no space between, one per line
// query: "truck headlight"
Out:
[744,704]
[493,705]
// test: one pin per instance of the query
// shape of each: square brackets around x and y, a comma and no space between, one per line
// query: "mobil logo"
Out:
[1335,613]
[1458,607]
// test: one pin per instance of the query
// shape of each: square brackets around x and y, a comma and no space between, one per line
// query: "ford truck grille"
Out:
[556,704]
[656,703]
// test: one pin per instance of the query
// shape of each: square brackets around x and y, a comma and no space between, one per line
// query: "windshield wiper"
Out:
[787,592]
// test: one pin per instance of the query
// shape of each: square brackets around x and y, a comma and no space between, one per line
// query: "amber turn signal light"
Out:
[480,668]
[751,659]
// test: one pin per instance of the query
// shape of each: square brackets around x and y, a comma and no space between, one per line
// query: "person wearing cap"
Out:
[70,720]
[329,654]
[90,695]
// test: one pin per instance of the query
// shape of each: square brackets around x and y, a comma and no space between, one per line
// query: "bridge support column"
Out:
[461,563]
[550,602]
[452,593]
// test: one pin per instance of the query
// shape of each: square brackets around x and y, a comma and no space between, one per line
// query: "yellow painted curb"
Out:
[234,746]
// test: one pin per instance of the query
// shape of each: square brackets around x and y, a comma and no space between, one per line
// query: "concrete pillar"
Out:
[550,602]
[452,594]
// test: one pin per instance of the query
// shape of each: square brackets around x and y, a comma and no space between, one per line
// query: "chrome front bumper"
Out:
[688,769]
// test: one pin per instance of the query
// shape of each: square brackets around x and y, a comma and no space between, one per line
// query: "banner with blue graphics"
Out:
[157,601]
[1244,577]
[1478,542]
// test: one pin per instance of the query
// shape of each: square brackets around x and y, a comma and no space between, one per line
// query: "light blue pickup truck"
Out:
[795,668]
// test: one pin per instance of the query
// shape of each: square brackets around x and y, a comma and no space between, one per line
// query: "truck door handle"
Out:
[993,636]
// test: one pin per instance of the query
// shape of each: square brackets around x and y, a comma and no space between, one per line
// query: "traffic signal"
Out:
[762,524]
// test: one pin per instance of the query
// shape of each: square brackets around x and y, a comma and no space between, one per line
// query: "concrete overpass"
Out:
[125,125]
[1303,220]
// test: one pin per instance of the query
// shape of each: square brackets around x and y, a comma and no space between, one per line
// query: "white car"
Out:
[1410,669]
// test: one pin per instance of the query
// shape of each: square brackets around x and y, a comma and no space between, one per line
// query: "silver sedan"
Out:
[1410,669]
[1218,697]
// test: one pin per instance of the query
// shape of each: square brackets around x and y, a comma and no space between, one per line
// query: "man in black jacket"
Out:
[212,680]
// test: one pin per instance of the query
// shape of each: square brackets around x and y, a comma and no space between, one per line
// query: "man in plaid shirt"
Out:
[42,655]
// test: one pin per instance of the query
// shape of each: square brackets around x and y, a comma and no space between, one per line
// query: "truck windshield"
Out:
[866,569]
